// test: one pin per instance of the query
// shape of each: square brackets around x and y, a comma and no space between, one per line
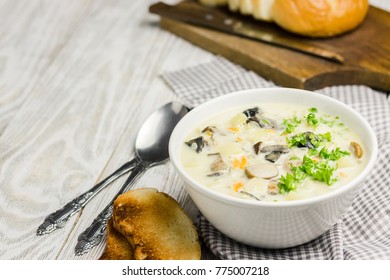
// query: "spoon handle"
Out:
[59,218]
[93,235]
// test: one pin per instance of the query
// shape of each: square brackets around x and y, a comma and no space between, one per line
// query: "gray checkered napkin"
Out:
[364,231]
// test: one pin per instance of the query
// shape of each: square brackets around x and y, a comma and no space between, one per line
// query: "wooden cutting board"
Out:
[366,51]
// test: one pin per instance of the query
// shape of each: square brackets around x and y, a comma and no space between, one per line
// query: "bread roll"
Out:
[117,246]
[259,9]
[213,3]
[319,18]
[234,5]
[155,226]
[312,18]
[246,7]
[262,10]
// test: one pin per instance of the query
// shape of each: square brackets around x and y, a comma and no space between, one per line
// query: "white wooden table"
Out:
[77,79]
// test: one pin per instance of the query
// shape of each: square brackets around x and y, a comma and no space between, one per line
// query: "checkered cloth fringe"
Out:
[364,231]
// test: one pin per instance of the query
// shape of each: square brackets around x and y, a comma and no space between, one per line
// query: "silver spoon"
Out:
[151,148]
[59,218]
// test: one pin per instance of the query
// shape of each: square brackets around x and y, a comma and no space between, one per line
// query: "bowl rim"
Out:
[225,198]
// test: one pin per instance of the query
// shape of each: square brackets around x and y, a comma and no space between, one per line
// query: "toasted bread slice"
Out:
[156,225]
[117,246]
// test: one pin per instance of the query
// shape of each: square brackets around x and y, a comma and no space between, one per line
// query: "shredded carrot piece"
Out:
[234,129]
[243,162]
[237,186]
[240,163]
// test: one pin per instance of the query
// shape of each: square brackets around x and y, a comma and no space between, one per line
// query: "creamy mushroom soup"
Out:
[273,152]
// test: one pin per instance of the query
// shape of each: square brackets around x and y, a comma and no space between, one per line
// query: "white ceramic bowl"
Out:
[273,224]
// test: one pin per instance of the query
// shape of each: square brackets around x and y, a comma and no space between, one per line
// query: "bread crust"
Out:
[312,18]
[117,246]
[155,226]
[319,18]
[213,3]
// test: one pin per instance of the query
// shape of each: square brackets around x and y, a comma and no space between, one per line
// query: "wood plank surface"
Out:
[77,121]
[31,36]
[77,80]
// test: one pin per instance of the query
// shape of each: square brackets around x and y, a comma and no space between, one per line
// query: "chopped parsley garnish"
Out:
[331,122]
[312,119]
[294,157]
[317,170]
[333,155]
[291,124]
[291,181]
[320,168]
[287,183]
[320,171]
[298,140]
[298,173]
[318,139]
[266,121]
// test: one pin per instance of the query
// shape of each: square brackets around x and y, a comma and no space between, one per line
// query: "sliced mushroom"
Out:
[262,170]
[267,123]
[249,194]
[198,142]
[256,147]
[211,129]
[310,136]
[357,149]
[273,188]
[218,167]
[263,122]
[253,119]
[251,112]
[275,148]
[270,123]
[273,157]
[216,174]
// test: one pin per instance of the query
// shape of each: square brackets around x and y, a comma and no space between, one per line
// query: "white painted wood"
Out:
[77,79]
[68,130]
[31,36]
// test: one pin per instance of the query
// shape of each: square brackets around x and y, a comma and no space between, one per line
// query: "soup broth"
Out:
[273,152]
